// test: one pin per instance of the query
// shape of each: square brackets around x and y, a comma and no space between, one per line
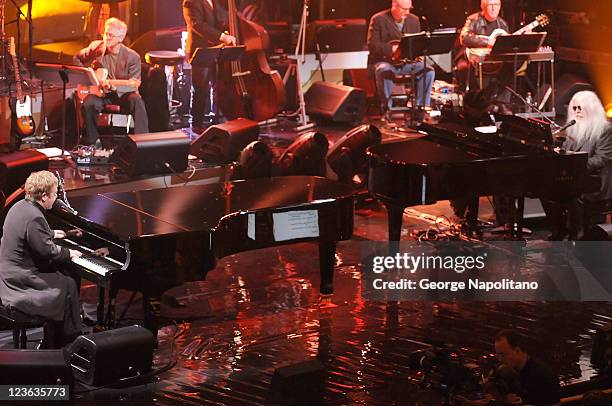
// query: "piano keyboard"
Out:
[93,263]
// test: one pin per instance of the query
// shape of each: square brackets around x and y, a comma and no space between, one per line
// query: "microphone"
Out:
[61,206]
[565,127]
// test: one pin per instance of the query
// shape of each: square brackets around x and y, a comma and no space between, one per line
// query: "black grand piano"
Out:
[451,160]
[160,238]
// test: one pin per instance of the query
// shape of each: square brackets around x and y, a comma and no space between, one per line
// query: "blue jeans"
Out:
[383,71]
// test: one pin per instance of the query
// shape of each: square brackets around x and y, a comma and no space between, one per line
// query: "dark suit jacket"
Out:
[599,162]
[204,25]
[382,30]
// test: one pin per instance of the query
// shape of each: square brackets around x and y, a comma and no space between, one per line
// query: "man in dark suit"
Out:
[26,251]
[206,22]
[387,27]
[592,133]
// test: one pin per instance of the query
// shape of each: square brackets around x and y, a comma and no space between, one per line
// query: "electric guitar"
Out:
[22,108]
[476,55]
[107,85]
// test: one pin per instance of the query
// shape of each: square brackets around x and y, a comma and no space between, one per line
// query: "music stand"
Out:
[424,44]
[517,44]
[213,56]
[64,74]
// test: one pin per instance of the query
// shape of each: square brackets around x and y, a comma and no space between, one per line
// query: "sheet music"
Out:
[295,224]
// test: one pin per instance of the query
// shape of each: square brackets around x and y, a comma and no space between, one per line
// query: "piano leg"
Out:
[395,215]
[327,260]
[112,303]
[152,310]
[100,308]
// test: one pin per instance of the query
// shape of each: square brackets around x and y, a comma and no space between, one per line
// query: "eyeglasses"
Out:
[576,108]
[493,5]
[52,194]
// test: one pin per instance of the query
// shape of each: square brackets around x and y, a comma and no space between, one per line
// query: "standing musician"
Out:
[119,63]
[592,133]
[207,22]
[385,32]
[480,31]
[27,248]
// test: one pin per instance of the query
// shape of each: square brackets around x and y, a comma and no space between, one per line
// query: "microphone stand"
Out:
[533,106]
[300,58]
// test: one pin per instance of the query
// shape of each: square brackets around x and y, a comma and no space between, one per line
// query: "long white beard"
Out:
[586,131]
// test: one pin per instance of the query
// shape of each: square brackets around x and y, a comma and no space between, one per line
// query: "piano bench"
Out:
[20,323]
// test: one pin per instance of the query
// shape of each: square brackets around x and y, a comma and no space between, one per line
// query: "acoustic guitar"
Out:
[22,105]
[476,55]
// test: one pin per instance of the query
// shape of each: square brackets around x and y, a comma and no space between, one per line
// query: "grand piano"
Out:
[452,160]
[160,238]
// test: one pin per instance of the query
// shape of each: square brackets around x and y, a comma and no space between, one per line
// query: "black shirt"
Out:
[540,385]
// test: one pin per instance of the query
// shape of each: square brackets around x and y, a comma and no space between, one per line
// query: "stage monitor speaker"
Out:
[335,103]
[566,87]
[107,357]
[299,384]
[153,153]
[34,367]
[17,166]
[222,143]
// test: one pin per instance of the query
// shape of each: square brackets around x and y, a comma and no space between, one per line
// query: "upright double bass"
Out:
[249,88]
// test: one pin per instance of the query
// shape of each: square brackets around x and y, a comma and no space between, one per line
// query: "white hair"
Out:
[594,123]
[119,27]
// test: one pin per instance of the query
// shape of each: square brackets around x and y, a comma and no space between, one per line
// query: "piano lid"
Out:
[199,208]
[420,151]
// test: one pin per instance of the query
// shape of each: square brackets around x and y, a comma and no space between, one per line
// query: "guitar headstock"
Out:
[542,20]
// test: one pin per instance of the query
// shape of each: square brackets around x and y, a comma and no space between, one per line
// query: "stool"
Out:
[104,119]
[21,322]
[91,29]
[172,62]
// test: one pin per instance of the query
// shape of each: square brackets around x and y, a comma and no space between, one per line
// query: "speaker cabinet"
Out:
[335,103]
[17,166]
[34,367]
[153,153]
[222,143]
[299,384]
[106,357]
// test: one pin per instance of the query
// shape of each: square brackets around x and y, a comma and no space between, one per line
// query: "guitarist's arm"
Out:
[377,46]
[469,37]
[87,55]
[134,68]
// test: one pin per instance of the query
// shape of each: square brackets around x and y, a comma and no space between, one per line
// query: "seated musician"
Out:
[206,21]
[26,250]
[120,63]
[592,133]
[480,31]
[385,28]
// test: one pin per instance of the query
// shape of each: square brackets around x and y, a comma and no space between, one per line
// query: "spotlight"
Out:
[347,156]
[255,161]
[305,156]
[609,110]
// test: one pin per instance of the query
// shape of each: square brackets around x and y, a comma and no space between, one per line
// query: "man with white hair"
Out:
[121,63]
[385,31]
[592,133]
